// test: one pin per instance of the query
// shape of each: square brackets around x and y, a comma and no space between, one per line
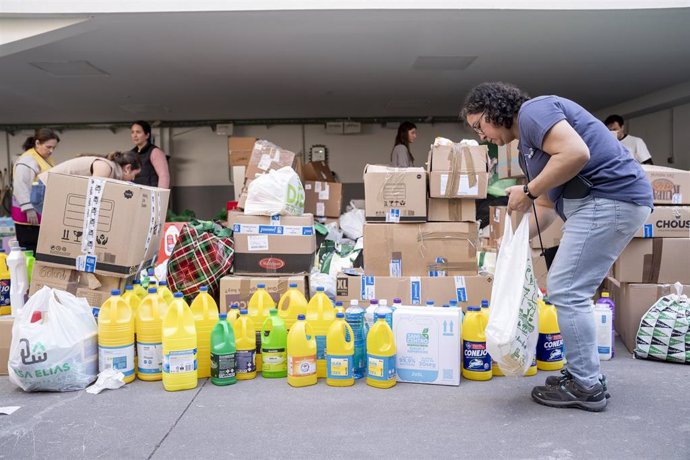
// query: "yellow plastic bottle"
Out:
[233,313]
[139,290]
[132,299]
[149,327]
[476,362]
[533,368]
[291,305]
[320,316]
[116,336]
[301,353]
[340,352]
[550,342]
[381,354]
[245,343]
[165,291]
[205,311]
[5,308]
[260,304]
[179,346]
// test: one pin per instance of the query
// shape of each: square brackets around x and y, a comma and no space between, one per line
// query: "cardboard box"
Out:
[171,232]
[508,165]
[654,260]
[497,222]
[428,345]
[126,231]
[240,288]
[317,171]
[394,194]
[323,199]
[551,237]
[278,244]
[94,288]
[421,250]
[453,210]
[458,185]
[667,222]
[632,302]
[670,185]
[240,150]
[265,157]
[467,290]
[6,323]
[456,158]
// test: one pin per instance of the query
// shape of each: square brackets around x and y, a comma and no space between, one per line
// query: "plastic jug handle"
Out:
[351,334]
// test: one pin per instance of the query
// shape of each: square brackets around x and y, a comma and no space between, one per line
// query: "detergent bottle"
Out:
[5,308]
[233,313]
[274,346]
[179,346]
[550,341]
[149,327]
[320,315]
[260,303]
[340,351]
[116,336]
[301,352]
[355,318]
[245,341]
[339,307]
[139,289]
[132,299]
[476,362]
[292,304]
[223,353]
[205,313]
[165,291]
[381,354]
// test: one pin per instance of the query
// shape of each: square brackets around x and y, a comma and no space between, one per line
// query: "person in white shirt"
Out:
[635,145]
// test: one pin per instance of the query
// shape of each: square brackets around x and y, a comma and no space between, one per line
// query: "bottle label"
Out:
[301,366]
[149,358]
[179,361]
[475,357]
[117,358]
[246,361]
[274,359]
[549,348]
[222,366]
[340,367]
[381,367]
[5,293]
[320,347]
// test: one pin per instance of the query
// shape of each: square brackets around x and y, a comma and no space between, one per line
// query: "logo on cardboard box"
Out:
[342,287]
[664,189]
[271,263]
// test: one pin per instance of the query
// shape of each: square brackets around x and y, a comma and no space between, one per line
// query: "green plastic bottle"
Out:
[30,259]
[274,346]
[223,369]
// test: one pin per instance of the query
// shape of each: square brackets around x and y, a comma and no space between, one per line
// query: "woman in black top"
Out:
[154,162]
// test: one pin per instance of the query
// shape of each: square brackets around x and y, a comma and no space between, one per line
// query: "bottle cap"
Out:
[162,283]
[136,282]
[301,317]
[338,303]
[261,286]
[203,288]
[380,316]
[153,290]
[115,292]
[150,271]
[453,303]
[485,303]
[354,303]
[373,302]
[129,287]
[604,294]
[243,312]
[292,285]
[430,303]
[178,295]
[445,305]
[320,289]
[223,316]
[397,300]
[235,306]
[273,312]
[340,315]
[473,308]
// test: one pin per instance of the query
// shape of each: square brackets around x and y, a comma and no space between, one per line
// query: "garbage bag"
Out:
[352,223]
[54,343]
[278,192]
[512,331]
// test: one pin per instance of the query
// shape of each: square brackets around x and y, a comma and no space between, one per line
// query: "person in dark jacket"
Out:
[154,162]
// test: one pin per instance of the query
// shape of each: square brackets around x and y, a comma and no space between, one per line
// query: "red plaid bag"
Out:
[203,254]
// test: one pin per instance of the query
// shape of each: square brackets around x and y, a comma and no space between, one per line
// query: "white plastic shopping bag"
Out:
[59,350]
[512,332]
[278,192]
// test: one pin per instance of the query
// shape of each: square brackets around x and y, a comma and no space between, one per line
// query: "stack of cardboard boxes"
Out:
[657,256]
[420,243]
[323,194]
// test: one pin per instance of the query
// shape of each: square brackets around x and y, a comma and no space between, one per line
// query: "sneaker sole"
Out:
[588,406]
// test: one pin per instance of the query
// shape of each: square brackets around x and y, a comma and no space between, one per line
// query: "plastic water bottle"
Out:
[19,282]
[603,317]
[369,313]
[606,300]
[384,309]
[355,318]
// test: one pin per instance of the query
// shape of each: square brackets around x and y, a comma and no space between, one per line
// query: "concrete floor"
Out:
[648,417]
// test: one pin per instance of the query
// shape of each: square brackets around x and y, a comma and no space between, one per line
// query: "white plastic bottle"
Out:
[19,282]
[602,321]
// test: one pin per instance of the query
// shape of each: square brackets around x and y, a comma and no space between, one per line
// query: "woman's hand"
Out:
[32,216]
[518,199]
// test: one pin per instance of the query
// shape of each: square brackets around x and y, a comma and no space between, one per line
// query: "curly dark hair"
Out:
[499,101]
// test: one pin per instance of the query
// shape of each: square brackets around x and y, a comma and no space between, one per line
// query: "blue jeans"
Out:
[595,233]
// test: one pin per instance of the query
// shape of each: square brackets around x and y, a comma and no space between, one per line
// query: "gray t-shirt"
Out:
[401,158]
[613,172]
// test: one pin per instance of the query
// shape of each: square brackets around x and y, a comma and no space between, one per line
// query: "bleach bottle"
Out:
[274,346]
[605,299]
[116,336]
[291,305]
[245,342]
[550,342]
[139,289]
[355,318]
[179,346]
[340,351]
[301,353]
[260,303]
[164,291]
[381,354]
[233,313]
[476,362]
[320,316]
[19,286]
[603,317]
[205,311]
[149,337]
[223,371]
[131,298]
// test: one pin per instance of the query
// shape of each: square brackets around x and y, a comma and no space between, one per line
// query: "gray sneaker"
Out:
[569,394]
[557,380]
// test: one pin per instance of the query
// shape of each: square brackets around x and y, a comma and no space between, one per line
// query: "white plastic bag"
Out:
[352,223]
[58,352]
[278,192]
[512,332]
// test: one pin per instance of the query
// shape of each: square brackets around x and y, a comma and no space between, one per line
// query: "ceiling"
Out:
[325,64]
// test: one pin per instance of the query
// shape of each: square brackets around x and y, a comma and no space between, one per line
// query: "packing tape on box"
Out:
[285,230]
[652,262]
[442,265]
[86,262]
[457,154]
[155,224]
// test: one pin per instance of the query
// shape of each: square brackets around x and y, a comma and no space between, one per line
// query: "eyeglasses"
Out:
[476,126]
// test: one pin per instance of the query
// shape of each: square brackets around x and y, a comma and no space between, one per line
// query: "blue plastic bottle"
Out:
[384,309]
[355,318]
